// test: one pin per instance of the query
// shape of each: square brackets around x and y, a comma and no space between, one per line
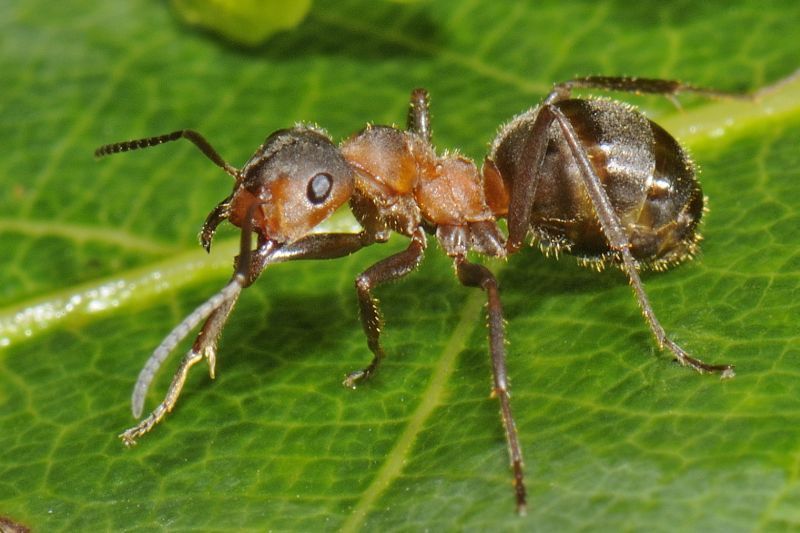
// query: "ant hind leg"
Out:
[474,275]
[667,88]
[618,241]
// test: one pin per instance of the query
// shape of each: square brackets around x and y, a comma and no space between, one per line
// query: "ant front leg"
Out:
[619,242]
[204,347]
[474,275]
[666,88]
[392,268]
[218,309]
[215,312]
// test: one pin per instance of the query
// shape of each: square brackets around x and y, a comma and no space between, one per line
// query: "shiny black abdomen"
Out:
[647,176]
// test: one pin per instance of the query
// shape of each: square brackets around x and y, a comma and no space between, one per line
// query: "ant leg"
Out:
[391,268]
[130,435]
[474,275]
[667,88]
[419,114]
[323,246]
[618,240]
[215,312]
[190,135]
[523,190]
[319,246]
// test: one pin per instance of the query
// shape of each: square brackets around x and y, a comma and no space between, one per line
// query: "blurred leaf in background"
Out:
[247,22]
[100,260]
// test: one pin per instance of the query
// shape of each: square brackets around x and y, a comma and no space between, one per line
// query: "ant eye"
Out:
[319,188]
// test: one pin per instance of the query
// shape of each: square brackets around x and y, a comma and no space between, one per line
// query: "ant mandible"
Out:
[590,177]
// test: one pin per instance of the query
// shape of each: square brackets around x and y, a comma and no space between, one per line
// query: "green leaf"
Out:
[100,260]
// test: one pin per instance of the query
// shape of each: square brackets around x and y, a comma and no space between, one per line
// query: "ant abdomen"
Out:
[648,178]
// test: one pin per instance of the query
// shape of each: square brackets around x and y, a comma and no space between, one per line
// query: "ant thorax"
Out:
[401,185]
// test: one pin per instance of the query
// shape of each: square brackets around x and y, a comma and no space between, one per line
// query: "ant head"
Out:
[299,178]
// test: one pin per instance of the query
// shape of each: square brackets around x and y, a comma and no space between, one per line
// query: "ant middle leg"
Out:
[391,268]
[474,275]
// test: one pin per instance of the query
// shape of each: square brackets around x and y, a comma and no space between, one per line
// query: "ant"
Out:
[591,177]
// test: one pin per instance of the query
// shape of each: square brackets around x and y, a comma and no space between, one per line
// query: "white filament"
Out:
[160,354]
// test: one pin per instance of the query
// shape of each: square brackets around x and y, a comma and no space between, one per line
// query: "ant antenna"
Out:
[229,293]
[190,135]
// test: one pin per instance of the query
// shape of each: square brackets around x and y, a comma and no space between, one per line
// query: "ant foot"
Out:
[129,436]
[353,377]
[725,371]
[359,375]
